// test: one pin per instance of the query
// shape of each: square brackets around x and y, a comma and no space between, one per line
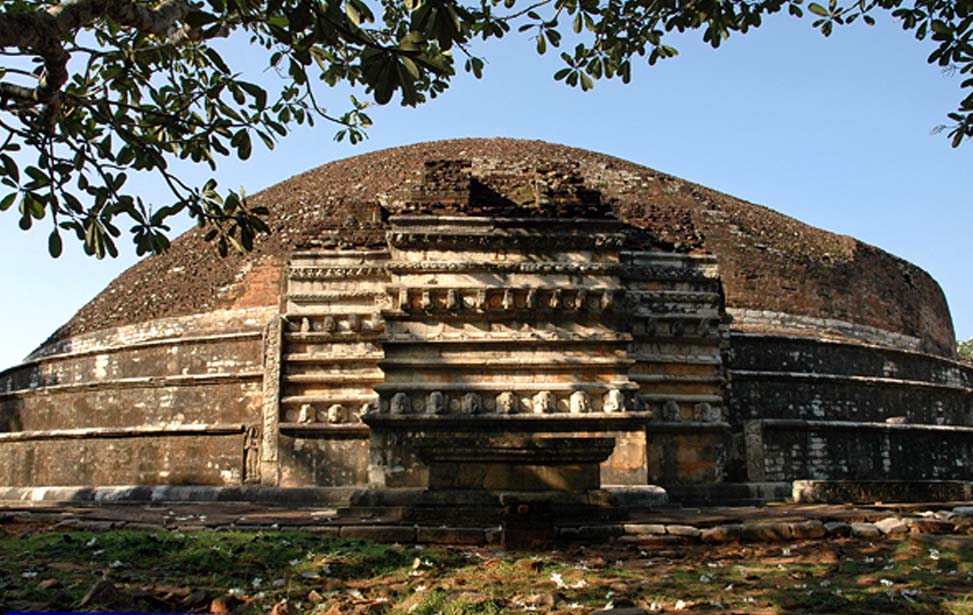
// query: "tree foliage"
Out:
[965,350]
[92,91]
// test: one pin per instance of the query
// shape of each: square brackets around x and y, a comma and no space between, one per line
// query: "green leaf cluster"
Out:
[132,100]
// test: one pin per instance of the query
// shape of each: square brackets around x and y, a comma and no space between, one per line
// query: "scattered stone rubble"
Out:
[793,524]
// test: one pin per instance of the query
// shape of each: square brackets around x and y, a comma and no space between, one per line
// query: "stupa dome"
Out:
[498,314]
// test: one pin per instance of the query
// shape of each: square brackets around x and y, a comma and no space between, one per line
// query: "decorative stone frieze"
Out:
[507,403]
[580,403]
[543,402]
[614,401]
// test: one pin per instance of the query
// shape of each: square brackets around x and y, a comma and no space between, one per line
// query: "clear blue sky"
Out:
[835,132]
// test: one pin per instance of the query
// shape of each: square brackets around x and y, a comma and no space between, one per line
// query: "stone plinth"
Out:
[501,463]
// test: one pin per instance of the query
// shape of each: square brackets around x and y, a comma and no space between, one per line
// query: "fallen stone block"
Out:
[684,531]
[766,532]
[808,529]
[145,527]
[921,525]
[328,530]
[722,533]
[644,528]
[652,540]
[379,533]
[865,530]
[892,526]
[837,528]
[599,532]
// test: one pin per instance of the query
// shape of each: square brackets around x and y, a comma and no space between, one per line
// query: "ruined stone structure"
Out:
[499,314]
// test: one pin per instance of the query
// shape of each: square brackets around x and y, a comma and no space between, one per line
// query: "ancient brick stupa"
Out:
[499,314]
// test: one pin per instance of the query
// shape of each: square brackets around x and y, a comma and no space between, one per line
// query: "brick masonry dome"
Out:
[770,264]
[492,314]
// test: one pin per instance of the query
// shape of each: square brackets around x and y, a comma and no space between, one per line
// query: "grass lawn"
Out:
[298,572]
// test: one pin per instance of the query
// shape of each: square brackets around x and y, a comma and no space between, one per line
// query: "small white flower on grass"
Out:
[279,583]
[420,588]
[91,543]
[654,607]
[728,588]
[680,605]
[116,564]
[579,584]
[705,579]
[825,583]
[934,554]
[558,580]
[28,575]
[886,583]
[256,582]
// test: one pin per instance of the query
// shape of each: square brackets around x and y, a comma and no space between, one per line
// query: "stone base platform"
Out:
[867,492]
[676,526]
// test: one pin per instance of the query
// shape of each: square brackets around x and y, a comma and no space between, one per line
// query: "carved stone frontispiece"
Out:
[305,414]
[614,401]
[579,403]
[400,404]
[544,402]
[471,404]
[336,414]
[507,403]
[436,403]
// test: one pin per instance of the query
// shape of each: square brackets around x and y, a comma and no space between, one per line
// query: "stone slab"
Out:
[868,492]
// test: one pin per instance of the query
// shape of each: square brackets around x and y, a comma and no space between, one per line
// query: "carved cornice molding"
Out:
[490,267]
[534,241]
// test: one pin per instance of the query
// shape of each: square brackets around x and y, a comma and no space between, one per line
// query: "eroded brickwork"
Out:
[768,261]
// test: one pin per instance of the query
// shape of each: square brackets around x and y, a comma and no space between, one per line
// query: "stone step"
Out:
[730,494]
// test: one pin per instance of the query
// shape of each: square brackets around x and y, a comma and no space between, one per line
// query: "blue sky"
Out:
[834,132]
